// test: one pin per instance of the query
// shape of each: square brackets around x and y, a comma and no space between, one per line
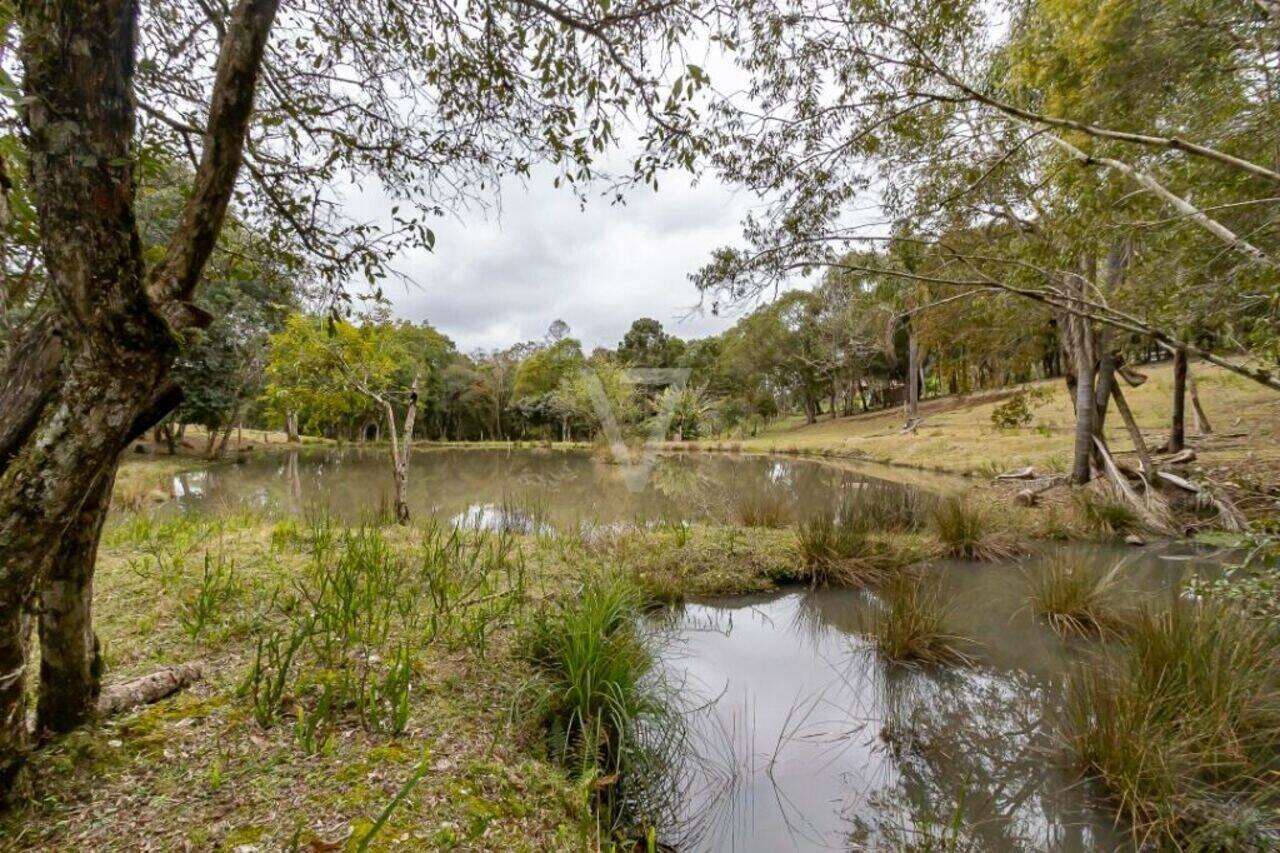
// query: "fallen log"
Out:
[1027,473]
[147,689]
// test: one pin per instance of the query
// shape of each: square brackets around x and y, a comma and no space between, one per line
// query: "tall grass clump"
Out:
[603,708]
[909,626]
[1076,597]
[833,549]
[1106,514]
[1182,727]
[761,509]
[969,531]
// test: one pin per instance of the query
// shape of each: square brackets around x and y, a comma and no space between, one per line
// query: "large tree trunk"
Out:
[1177,429]
[70,658]
[291,427]
[107,351]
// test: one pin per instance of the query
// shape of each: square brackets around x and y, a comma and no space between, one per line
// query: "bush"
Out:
[1104,513]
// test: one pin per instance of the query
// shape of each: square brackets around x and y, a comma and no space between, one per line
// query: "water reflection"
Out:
[516,488]
[805,739]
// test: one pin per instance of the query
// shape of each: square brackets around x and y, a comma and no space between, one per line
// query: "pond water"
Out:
[521,489]
[803,738]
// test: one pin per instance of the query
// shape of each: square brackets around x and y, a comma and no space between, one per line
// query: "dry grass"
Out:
[957,434]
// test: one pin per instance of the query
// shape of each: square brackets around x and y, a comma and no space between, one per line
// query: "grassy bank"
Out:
[958,436]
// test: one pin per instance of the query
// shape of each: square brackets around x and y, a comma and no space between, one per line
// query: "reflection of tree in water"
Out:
[970,759]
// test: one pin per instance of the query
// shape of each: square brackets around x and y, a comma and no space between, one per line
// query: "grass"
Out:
[957,435]
[968,530]
[1104,513]
[909,626]
[1076,596]
[597,696]
[1182,727]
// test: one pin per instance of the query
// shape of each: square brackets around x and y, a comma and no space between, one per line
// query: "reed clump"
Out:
[910,625]
[1076,596]
[969,531]
[1182,727]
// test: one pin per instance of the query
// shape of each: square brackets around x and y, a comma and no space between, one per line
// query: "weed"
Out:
[1182,727]
[218,585]
[761,509]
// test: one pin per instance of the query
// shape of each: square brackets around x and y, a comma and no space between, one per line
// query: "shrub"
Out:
[1182,727]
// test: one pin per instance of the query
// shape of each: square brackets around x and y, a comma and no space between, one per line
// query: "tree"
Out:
[646,345]
[442,97]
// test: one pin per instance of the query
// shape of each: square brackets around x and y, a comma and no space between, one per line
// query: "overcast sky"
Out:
[503,277]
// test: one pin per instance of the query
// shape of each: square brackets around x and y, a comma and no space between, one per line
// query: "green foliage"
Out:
[218,586]
[1017,410]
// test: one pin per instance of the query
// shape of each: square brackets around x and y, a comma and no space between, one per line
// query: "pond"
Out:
[803,738]
[523,489]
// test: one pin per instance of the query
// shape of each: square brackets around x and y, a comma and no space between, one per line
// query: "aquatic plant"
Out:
[1074,595]
[969,531]
[832,550]
[887,507]
[909,626]
[1182,727]
[606,714]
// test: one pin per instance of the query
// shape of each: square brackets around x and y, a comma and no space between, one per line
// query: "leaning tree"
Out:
[279,107]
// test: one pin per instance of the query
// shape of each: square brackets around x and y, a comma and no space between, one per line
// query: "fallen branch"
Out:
[147,689]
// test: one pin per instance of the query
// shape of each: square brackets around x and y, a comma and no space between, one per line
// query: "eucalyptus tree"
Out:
[1043,150]
[277,107]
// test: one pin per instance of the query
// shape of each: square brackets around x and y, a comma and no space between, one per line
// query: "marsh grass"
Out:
[1182,727]
[969,531]
[1076,596]
[832,550]
[606,714]
[761,509]
[910,624]
[887,507]
[1106,514]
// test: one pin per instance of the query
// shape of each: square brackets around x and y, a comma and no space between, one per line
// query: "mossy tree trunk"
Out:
[88,376]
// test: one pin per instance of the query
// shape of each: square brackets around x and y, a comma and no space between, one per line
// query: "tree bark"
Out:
[70,656]
[1177,427]
[913,374]
[291,427]
[1202,425]
[117,325]
[1135,434]
[400,453]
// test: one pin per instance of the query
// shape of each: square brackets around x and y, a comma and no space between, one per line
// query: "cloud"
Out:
[498,278]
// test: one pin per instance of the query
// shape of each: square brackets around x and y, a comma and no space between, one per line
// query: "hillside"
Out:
[957,434]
